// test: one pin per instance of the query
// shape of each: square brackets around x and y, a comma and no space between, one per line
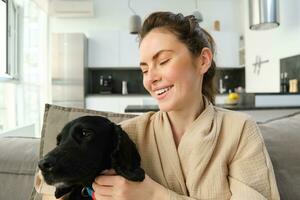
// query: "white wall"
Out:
[272,45]
[114,14]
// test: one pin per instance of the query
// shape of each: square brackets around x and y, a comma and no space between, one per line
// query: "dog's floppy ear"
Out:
[125,157]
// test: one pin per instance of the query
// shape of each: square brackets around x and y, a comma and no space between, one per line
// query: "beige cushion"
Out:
[55,118]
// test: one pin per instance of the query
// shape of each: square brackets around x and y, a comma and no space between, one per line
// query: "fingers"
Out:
[109,172]
[102,190]
[109,180]
[105,184]
[101,197]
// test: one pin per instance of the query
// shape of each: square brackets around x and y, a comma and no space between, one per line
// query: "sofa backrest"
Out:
[282,139]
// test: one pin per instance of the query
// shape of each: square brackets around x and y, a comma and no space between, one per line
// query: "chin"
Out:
[165,107]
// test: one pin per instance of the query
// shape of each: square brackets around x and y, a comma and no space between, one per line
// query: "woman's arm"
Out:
[251,174]
[111,186]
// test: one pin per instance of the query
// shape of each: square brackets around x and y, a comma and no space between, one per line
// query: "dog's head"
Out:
[85,147]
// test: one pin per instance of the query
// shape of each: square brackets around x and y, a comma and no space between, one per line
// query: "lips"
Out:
[162,90]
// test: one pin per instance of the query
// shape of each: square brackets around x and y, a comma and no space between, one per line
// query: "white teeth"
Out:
[161,91]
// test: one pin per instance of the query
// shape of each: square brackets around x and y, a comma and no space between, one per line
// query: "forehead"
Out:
[156,40]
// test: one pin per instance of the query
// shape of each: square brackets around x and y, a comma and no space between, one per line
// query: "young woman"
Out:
[190,149]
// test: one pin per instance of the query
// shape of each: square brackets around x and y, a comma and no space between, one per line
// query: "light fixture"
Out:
[263,14]
[197,14]
[135,22]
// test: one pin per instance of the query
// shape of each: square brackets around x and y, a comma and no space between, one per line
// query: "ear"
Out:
[125,157]
[204,60]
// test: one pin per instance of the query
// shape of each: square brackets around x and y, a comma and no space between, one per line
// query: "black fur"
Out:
[85,147]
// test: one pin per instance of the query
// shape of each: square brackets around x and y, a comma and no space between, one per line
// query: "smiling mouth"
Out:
[163,90]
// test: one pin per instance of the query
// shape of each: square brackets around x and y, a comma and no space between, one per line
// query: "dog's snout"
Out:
[47,164]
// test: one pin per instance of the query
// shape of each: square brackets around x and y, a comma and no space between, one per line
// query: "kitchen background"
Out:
[80,53]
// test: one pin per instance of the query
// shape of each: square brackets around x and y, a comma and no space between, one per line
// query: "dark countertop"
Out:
[146,108]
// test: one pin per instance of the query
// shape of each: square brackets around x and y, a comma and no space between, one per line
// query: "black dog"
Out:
[85,147]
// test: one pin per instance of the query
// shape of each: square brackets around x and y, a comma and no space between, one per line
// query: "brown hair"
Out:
[188,31]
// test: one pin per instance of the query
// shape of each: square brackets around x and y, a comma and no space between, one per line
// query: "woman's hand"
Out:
[114,187]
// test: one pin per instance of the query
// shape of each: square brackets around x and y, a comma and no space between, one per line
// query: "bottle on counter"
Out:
[124,87]
[285,83]
[101,81]
[221,86]
[281,82]
[293,86]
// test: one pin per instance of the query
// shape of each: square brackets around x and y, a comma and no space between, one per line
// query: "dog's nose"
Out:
[47,164]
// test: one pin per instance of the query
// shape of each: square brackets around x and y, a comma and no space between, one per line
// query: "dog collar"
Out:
[91,192]
[88,191]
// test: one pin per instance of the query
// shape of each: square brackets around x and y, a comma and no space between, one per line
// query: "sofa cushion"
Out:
[18,160]
[55,117]
[282,139]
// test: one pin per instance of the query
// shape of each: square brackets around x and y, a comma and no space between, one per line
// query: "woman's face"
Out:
[170,72]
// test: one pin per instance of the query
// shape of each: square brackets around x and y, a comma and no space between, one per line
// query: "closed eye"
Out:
[144,71]
[164,61]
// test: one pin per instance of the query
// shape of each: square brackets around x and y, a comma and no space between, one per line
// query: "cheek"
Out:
[146,83]
[179,73]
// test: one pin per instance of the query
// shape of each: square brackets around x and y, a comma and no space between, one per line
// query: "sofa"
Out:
[19,157]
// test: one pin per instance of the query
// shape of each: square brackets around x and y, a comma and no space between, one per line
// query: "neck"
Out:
[181,119]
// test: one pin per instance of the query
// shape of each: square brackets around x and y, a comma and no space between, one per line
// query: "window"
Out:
[9,15]
[22,98]
[3,37]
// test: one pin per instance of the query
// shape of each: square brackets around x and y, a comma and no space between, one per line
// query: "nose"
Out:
[47,164]
[153,75]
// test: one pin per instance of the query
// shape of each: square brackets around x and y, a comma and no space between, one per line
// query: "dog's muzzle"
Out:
[47,164]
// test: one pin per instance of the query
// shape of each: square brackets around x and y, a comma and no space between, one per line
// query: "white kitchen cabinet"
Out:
[129,49]
[103,49]
[227,49]
[113,49]
[116,103]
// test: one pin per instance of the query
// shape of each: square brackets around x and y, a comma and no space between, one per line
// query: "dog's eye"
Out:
[86,132]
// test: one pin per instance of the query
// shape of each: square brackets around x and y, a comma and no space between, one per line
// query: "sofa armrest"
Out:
[18,162]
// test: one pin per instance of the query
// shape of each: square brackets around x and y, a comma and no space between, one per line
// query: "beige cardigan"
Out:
[221,156]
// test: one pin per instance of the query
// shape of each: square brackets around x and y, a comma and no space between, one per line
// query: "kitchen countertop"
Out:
[146,108]
[117,95]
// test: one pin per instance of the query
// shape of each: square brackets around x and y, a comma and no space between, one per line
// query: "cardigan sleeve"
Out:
[251,174]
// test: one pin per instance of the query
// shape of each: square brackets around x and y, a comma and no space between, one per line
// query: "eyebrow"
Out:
[156,55]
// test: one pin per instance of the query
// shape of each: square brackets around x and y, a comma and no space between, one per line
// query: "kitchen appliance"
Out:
[263,14]
[105,84]
[68,60]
